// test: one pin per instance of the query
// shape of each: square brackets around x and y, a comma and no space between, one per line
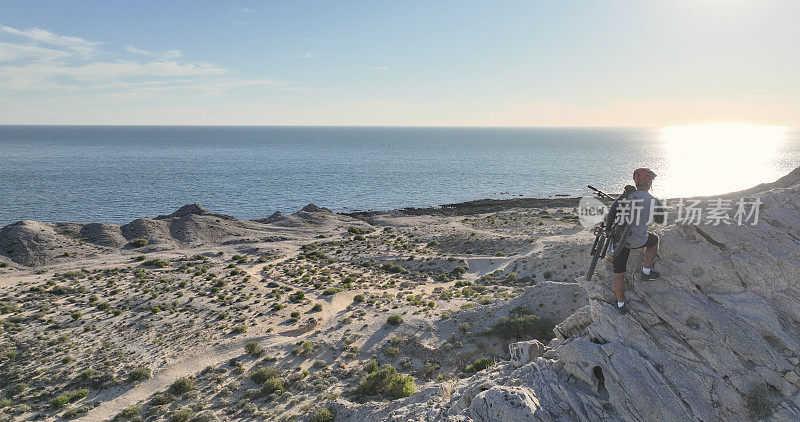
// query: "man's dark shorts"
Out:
[621,260]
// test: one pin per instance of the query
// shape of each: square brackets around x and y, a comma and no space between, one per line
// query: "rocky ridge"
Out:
[717,338]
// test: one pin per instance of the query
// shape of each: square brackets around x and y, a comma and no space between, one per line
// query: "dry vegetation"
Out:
[320,306]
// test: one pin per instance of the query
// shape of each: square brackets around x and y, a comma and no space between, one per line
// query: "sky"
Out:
[404,62]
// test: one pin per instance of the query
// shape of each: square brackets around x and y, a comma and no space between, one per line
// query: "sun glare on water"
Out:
[716,159]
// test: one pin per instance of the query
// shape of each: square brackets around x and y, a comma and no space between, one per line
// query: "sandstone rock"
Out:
[523,352]
[499,404]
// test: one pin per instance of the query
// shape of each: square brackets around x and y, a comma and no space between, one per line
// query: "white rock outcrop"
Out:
[723,321]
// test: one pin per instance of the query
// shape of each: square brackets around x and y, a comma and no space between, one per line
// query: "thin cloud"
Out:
[41,36]
[308,55]
[13,52]
[379,69]
[139,51]
[167,55]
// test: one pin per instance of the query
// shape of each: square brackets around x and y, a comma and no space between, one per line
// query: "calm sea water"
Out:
[116,174]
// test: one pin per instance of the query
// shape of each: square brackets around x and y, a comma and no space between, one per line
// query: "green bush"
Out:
[393,268]
[68,397]
[480,365]
[322,415]
[387,383]
[140,374]
[271,385]
[297,296]
[183,415]
[371,366]
[356,230]
[758,402]
[521,325]
[75,412]
[317,308]
[129,412]
[394,320]
[17,389]
[263,373]
[358,298]
[138,243]
[76,315]
[253,348]
[182,385]
[332,291]
[159,263]
[239,329]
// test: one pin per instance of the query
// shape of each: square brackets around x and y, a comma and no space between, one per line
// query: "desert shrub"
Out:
[391,352]
[253,348]
[17,389]
[357,230]
[358,298]
[393,268]
[317,308]
[430,369]
[263,373]
[322,415]
[7,308]
[182,385]
[295,315]
[76,315]
[88,374]
[182,415]
[138,243]
[758,402]
[297,296]
[386,382]
[305,349]
[521,325]
[271,385]
[480,365]
[394,320]
[332,291]
[239,329]
[68,397]
[140,374]
[75,412]
[160,399]
[371,366]
[277,307]
[159,263]
[129,412]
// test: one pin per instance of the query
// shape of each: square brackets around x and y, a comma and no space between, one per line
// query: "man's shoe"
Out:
[654,275]
[623,309]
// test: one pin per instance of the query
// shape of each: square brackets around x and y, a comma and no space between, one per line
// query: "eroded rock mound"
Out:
[34,243]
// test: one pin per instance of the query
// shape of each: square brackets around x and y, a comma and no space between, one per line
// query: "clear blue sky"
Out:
[464,62]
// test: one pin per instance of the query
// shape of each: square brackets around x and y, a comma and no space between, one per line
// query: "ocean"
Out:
[119,173]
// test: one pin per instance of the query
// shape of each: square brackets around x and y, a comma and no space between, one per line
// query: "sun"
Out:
[718,158]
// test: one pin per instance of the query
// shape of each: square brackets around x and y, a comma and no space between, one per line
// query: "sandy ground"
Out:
[103,333]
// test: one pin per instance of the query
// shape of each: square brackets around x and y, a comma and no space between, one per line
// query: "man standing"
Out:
[641,209]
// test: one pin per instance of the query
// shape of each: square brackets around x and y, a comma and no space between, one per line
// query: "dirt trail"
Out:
[480,266]
[115,400]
